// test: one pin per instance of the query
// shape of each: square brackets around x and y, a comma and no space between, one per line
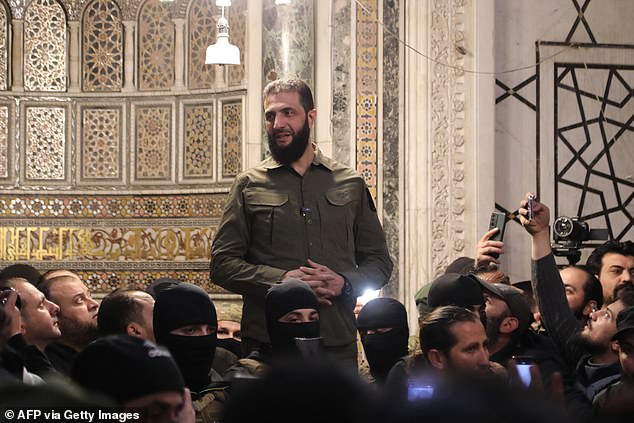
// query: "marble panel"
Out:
[390,137]
[341,79]
[288,40]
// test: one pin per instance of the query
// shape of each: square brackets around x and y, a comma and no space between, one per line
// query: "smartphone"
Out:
[523,366]
[531,198]
[498,220]
[419,390]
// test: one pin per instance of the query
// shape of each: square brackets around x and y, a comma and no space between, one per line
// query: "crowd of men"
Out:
[300,240]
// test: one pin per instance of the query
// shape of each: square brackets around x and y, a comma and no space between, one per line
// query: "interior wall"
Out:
[564,128]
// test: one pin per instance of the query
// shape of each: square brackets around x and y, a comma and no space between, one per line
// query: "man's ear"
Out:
[509,324]
[614,345]
[311,115]
[437,359]
[589,307]
[134,329]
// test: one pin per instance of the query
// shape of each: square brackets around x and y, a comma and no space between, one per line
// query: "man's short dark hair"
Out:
[435,328]
[117,310]
[592,288]
[594,263]
[294,85]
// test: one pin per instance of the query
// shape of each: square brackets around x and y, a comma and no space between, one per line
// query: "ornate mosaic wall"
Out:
[114,240]
[199,152]
[153,134]
[3,47]
[101,149]
[156,46]
[231,138]
[45,46]
[202,17]
[45,136]
[101,171]
[4,142]
[103,46]
[367,92]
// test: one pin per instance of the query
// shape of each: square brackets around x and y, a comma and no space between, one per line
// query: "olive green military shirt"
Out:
[275,220]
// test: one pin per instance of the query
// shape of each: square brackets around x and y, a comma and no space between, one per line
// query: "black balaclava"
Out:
[282,298]
[383,349]
[179,306]
[232,345]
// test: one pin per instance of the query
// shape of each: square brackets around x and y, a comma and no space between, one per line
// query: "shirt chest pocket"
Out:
[268,212]
[337,214]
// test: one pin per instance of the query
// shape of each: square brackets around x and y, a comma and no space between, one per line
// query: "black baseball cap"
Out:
[455,289]
[515,299]
[624,322]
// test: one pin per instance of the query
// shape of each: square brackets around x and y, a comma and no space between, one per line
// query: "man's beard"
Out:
[79,333]
[593,347]
[493,329]
[293,151]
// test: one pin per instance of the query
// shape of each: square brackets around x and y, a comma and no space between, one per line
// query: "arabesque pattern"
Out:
[231,138]
[156,46]
[101,143]
[102,46]
[45,156]
[202,32]
[45,46]
[3,48]
[198,159]
[4,142]
[153,130]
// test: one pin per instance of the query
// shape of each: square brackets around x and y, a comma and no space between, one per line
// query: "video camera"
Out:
[569,235]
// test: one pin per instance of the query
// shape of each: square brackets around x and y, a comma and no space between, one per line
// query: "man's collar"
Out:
[318,159]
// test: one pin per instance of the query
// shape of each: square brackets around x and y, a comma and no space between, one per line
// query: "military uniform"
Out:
[275,220]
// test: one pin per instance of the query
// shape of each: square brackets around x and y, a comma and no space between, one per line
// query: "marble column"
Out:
[128,77]
[179,54]
[288,40]
[17,55]
[447,138]
[73,27]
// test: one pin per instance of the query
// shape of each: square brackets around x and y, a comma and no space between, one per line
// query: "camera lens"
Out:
[563,227]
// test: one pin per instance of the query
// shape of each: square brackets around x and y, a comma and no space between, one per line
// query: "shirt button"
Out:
[309,221]
[310,244]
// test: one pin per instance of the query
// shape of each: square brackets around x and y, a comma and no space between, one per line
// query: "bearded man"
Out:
[299,214]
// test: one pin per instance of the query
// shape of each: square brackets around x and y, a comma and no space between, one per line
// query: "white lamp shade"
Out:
[222,52]
[223,3]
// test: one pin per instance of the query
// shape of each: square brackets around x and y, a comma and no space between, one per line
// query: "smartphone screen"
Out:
[420,392]
[523,366]
[419,389]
